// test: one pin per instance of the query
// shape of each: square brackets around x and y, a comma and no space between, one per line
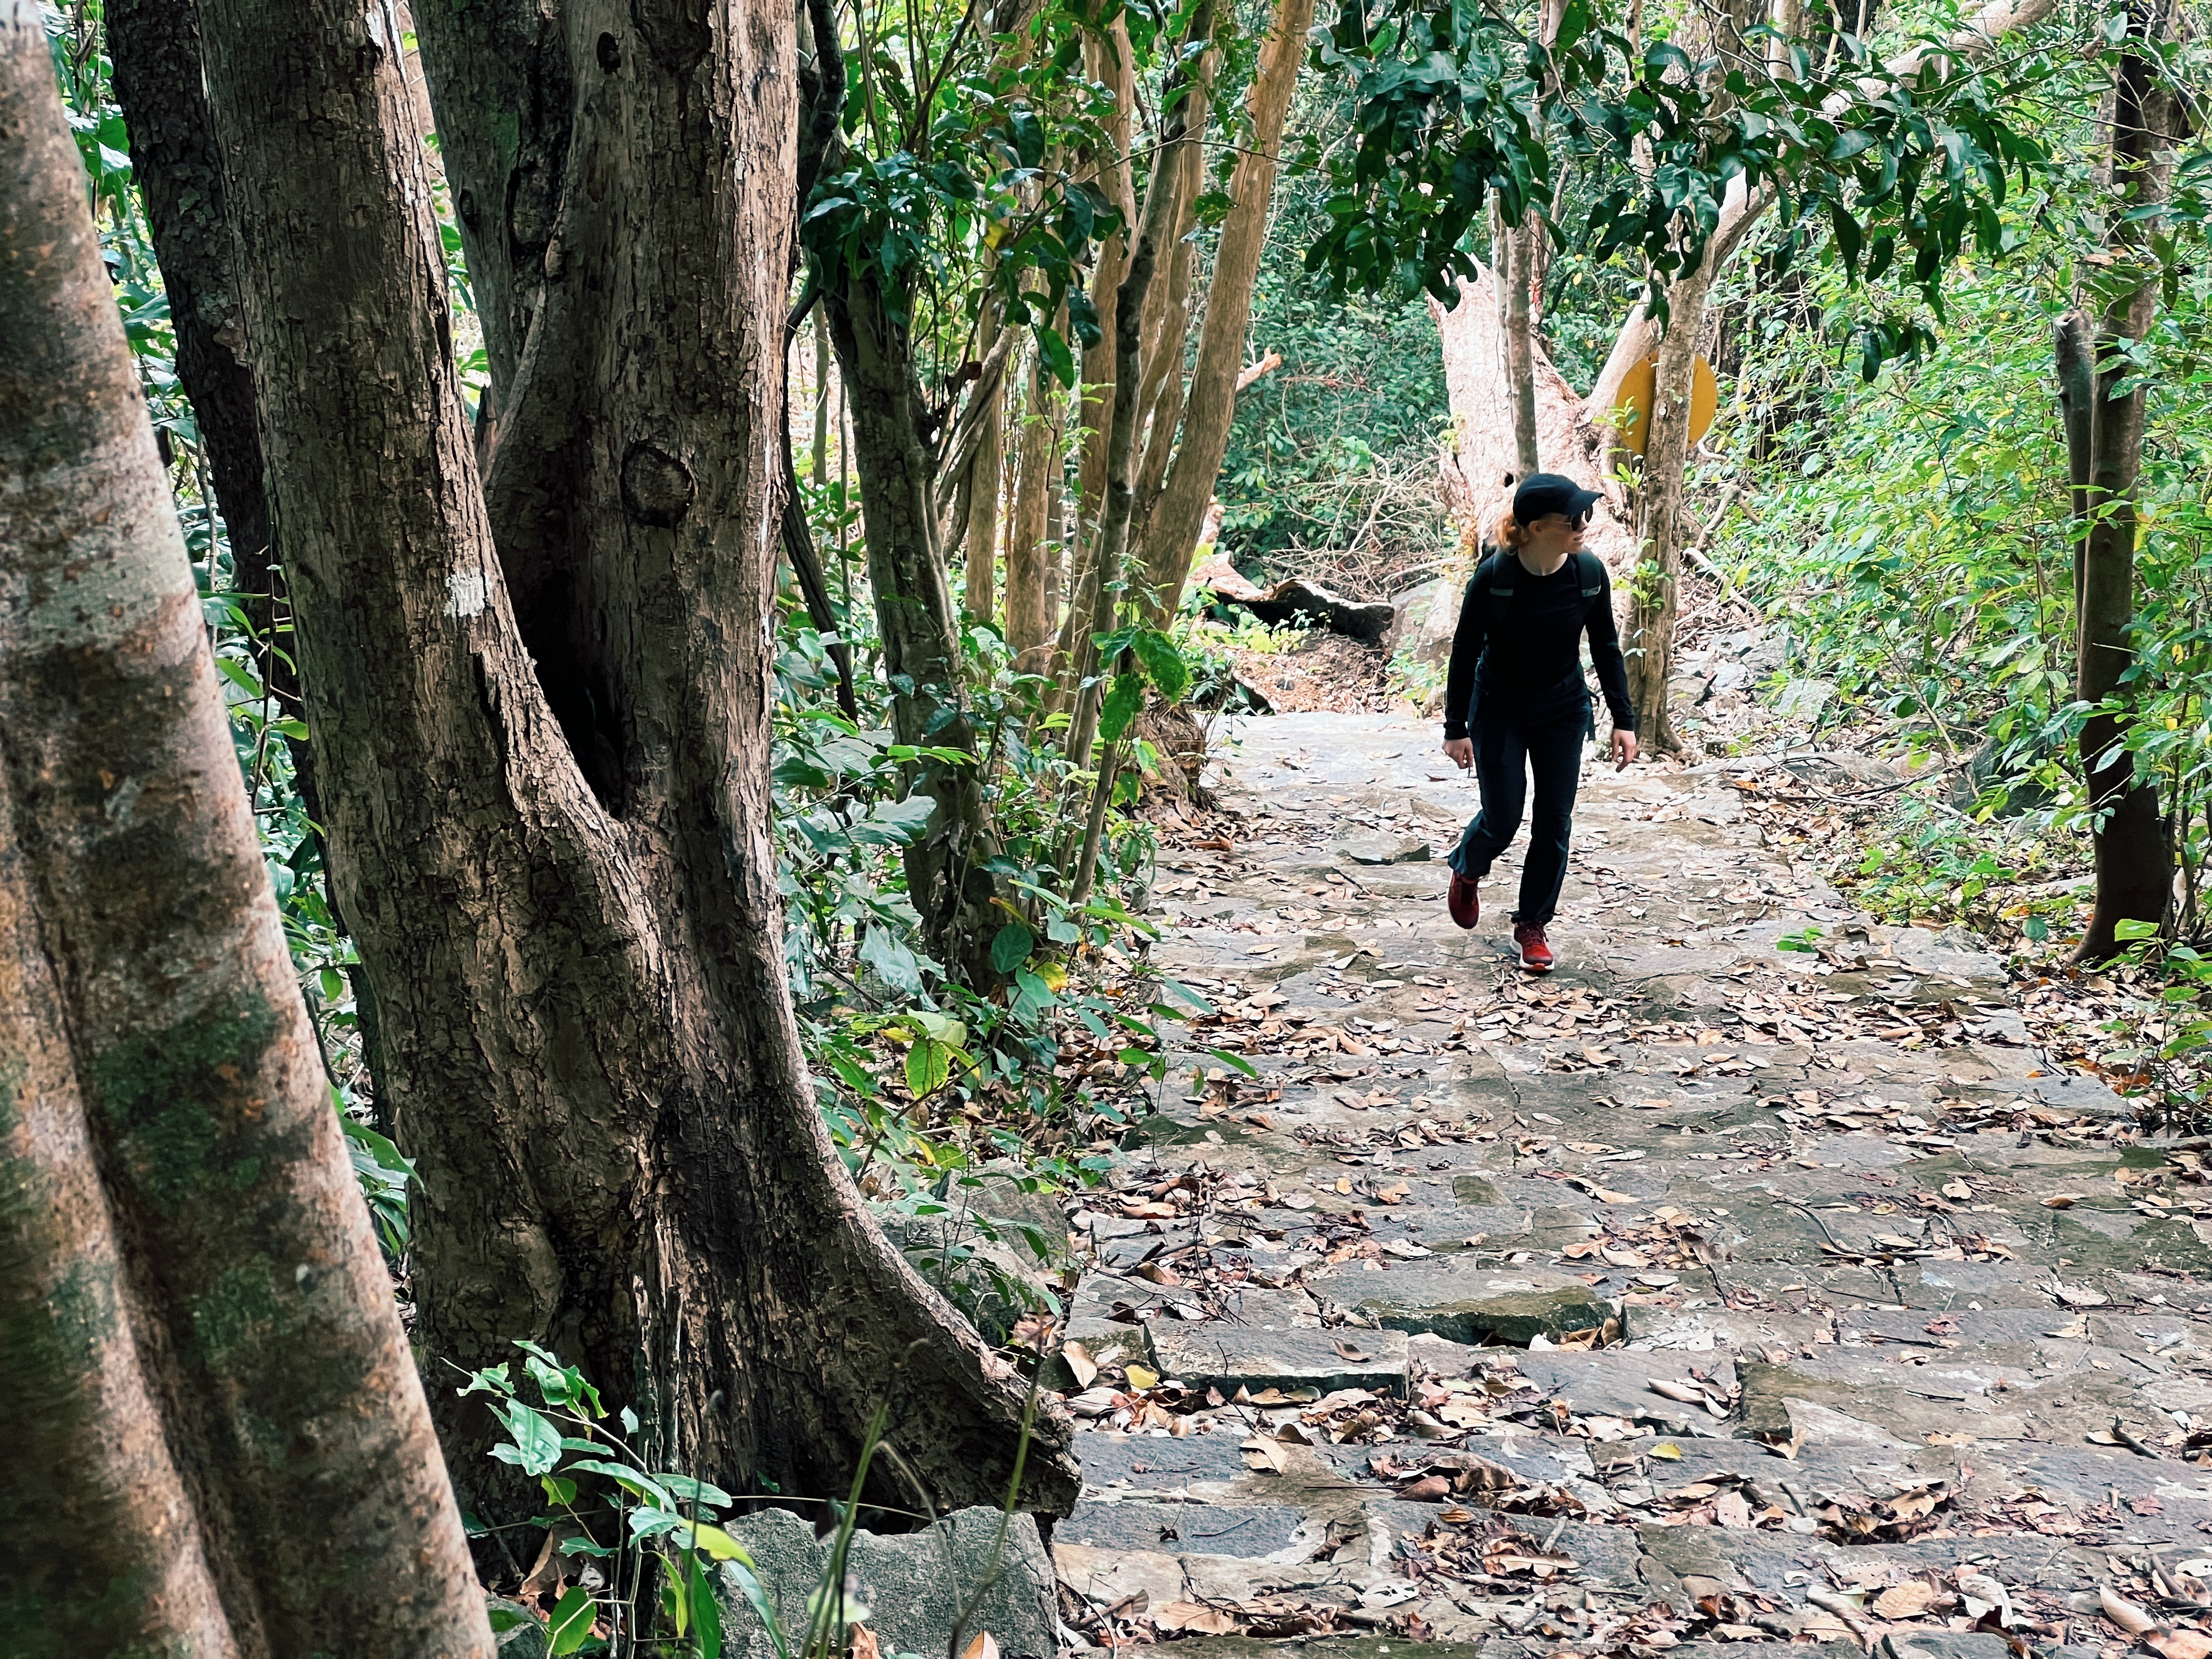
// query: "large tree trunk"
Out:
[221,1447]
[155,48]
[2134,874]
[1171,528]
[574,932]
[501,76]
[1478,463]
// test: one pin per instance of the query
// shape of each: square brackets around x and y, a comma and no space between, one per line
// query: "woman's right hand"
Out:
[1460,751]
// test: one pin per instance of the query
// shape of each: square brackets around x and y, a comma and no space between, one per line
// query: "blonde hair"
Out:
[1509,531]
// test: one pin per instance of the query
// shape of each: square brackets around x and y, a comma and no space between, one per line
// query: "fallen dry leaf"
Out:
[864,1645]
[983,1646]
[2123,1612]
[1269,1453]
[1907,1600]
[1194,1616]
[2180,1643]
[1141,1379]
[1080,1363]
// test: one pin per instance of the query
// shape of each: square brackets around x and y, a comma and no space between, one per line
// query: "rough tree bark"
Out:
[575,934]
[501,76]
[2134,872]
[1515,252]
[1108,57]
[1104,405]
[1654,587]
[978,591]
[1171,526]
[1174,164]
[1032,603]
[221,1445]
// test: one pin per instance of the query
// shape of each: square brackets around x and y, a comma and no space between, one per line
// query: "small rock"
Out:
[914,1585]
[1386,849]
[1803,700]
[1984,775]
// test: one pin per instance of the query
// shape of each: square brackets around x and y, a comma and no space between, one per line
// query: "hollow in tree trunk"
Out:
[573,922]
[221,1447]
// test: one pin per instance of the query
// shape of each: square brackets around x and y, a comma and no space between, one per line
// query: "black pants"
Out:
[1504,756]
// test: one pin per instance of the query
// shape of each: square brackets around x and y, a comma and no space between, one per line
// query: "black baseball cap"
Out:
[1542,494]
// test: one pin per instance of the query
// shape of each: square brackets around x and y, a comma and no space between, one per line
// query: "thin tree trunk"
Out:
[1655,588]
[978,591]
[2134,881]
[1177,157]
[221,1447]
[574,932]
[821,373]
[1514,325]
[1029,603]
[1170,530]
[798,539]
[1110,59]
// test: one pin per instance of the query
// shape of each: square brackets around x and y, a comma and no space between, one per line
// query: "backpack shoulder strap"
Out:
[1502,566]
[1593,576]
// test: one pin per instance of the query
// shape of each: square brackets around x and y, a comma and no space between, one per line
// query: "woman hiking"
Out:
[1516,702]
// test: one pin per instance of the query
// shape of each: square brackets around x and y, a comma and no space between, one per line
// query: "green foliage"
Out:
[651,1540]
[1454,106]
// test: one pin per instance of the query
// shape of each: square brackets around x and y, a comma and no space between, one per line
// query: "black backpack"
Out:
[1586,567]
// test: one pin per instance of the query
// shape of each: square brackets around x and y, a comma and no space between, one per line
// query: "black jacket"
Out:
[1520,658]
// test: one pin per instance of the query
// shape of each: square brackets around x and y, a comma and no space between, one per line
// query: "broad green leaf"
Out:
[570,1627]
[1011,946]
[928,1064]
[1122,702]
[1169,671]
[535,1445]
[706,1611]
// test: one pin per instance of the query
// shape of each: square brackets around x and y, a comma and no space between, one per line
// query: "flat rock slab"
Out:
[1226,1356]
[1248,1530]
[1809,1188]
[1464,1300]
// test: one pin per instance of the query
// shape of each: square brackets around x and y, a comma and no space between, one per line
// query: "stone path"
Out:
[1703,1291]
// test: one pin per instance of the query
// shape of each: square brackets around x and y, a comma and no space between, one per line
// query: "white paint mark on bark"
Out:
[466,593]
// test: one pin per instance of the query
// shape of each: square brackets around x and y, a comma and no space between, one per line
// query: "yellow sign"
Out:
[1635,402]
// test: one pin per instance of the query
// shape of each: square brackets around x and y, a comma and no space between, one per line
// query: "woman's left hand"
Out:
[1624,749]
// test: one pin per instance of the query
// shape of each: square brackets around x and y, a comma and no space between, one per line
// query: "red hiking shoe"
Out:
[1535,954]
[1464,900]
